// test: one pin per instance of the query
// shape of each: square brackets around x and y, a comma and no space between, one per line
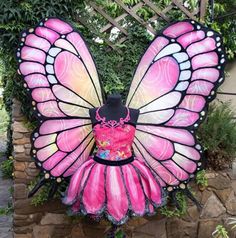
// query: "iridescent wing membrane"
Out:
[175,80]
[60,74]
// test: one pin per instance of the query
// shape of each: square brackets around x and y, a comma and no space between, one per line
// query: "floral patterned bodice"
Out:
[113,139]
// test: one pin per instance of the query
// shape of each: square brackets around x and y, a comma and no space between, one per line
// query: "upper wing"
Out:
[176,78]
[61,77]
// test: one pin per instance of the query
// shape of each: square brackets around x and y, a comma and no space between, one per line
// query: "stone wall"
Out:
[50,219]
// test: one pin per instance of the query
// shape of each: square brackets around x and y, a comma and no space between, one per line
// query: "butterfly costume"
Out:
[116,168]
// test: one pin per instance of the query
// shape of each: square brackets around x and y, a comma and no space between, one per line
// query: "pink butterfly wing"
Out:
[176,78]
[61,76]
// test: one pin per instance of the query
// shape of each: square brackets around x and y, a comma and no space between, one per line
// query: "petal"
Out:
[151,187]
[117,200]
[135,191]
[75,183]
[94,191]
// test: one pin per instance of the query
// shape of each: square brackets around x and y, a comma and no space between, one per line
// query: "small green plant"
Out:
[7,167]
[218,136]
[220,232]
[41,196]
[170,211]
[119,234]
[4,211]
[201,179]
[115,232]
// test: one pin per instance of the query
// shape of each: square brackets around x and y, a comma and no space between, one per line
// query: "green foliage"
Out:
[4,120]
[201,178]
[218,136]
[119,234]
[225,23]
[170,211]
[115,67]
[7,167]
[41,196]
[4,211]
[220,232]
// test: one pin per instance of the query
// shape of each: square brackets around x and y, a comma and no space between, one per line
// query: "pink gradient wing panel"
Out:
[62,145]
[62,79]
[175,80]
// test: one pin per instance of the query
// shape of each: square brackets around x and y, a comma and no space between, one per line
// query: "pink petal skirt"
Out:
[116,191]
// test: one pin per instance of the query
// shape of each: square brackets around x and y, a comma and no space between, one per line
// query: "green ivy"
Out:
[4,211]
[224,21]
[7,167]
[218,136]
[201,178]
[170,211]
[41,195]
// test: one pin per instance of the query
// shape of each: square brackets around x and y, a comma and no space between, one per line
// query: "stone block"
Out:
[19,127]
[153,228]
[27,151]
[19,148]
[19,217]
[24,207]
[91,231]
[20,191]
[219,182]
[213,208]
[43,231]
[19,166]
[32,172]
[28,235]
[223,195]
[32,165]
[231,204]
[77,232]
[17,135]
[177,228]
[55,219]
[20,174]
[23,229]
[22,157]
[193,213]
[27,146]
[205,195]
[142,235]
[206,227]
[21,141]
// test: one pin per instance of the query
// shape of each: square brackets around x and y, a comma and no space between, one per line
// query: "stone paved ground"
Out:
[5,196]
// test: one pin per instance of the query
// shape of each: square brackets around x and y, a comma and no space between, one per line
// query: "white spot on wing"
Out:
[49,69]
[182,86]
[54,51]
[185,65]
[168,50]
[184,75]
[180,57]
[50,59]
[52,79]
